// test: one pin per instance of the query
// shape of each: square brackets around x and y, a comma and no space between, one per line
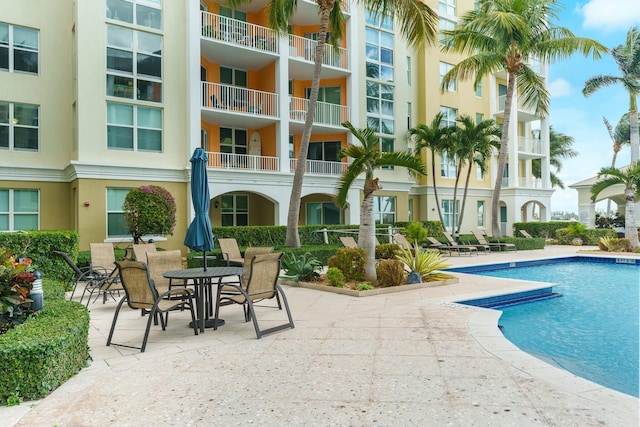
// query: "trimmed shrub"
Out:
[335,277]
[351,262]
[387,250]
[390,273]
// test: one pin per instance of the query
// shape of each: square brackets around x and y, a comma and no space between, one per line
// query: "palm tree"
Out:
[367,157]
[559,148]
[627,57]
[508,35]
[630,179]
[475,144]
[418,24]
[435,138]
[619,137]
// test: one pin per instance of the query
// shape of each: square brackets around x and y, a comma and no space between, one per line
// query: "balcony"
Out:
[525,114]
[529,146]
[244,162]
[233,105]
[221,37]
[331,115]
[320,167]
[528,183]
[335,61]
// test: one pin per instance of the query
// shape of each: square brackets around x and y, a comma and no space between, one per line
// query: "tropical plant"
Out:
[390,273]
[416,232]
[474,144]
[367,157]
[16,281]
[305,267]
[629,178]
[510,35]
[627,57]
[149,209]
[335,277]
[425,263]
[435,138]
[350,261]
[559,148]
[418,24]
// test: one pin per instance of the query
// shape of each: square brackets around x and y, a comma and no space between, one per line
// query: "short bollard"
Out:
[36,294]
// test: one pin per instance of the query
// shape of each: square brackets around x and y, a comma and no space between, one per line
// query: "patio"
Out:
[411,358]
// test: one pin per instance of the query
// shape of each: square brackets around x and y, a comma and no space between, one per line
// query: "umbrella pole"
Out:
[204,260]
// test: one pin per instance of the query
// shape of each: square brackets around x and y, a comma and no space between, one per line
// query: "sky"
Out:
[606,21]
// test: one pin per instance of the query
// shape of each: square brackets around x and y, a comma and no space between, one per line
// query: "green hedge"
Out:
[545,230]
[42,353]
[591,236]
[322,252]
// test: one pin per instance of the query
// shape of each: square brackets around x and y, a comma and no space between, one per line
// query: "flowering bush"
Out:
[149,209]
[16,281]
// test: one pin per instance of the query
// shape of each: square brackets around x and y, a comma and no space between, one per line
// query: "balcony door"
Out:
[233,92]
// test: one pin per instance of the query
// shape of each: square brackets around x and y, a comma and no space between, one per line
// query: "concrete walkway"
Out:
[405,359]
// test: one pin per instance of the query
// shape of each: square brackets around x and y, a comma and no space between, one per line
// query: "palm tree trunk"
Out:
[367,230]
[502,158]
[633,129]
[435,187]
[630,227]
[293,237]
[464,195]
[616,148]
[454,223]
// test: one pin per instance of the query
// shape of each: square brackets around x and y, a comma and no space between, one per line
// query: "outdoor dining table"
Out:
[204,278]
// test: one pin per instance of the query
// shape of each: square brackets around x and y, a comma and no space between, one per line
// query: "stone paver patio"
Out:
[408,359]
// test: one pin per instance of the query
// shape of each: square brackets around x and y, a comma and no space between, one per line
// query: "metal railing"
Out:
[300,47]
[219,160]
[321,167]
[241,33]
[239,99]
[529,145]
[326,113]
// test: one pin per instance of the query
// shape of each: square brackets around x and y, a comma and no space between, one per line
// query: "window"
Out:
[479,173]
[387,145]
[233,76]
[480,211]
[479,89]
[326,151]
[479,118]
[233,13]
[19,209]
[448,167]
[291,147]
[19,49]
[445,25]
[444,69]
[447,7]
[147,13]
[233,141]
[449,116]
[235,209]
[322,213]
[379,46]
[116,225]
[329,94]
[380,107]
[410,211]
[134,64]
[384,209]
[19,126]
[447,212]
[409,70]
[409,115]
[502,96]
[134,127]
[231,96]
[204,139]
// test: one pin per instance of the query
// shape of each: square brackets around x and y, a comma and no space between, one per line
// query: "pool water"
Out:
[591,331]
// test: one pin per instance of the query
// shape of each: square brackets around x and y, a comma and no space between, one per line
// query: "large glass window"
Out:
[447,212]
[449,116]
[235,210]
[379,51]
[479,89]
[384,209]
[447,7]
[19,48]
[147,13]
[480,213]
[19,126]
[444,69]
[19,209]
[233,141]
[116,225]
[387,145]
[448,167]
[327,151]
[445,25]
[322,213]
[380,103]
[134,64]
[134,127]
[329,94]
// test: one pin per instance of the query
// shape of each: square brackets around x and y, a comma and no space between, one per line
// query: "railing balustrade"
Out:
[326,113]
[238,32]
[321,167]
[239,99]
[219,160]
[529,145]
[304,48]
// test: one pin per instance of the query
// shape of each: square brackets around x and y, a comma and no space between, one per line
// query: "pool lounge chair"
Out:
[486,249]
[348,242]
[481,237]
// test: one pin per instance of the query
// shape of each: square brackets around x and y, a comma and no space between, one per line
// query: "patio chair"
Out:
[348,242]
[485,248]
[85,276]
[141,294]
[435,243]
[402,241]
[526,234]
[161,262]
[103,263]
[231,251]
[262,284]
[140,250]
[481,238]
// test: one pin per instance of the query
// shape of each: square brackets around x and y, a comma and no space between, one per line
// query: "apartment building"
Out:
[98,97]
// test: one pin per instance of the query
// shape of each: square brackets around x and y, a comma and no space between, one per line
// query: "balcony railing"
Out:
[239,99]
[531,183]
[242,162]
[320,167]
[300,47]
[502,101]
[326,113]
[529,145]
[237,32]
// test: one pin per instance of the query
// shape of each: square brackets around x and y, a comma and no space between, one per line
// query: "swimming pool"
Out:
[592,330]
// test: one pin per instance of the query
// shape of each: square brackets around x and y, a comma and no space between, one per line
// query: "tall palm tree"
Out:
[627,57]
[418,24]
[619,137]
[507,35]
[559,148]
[367,157]
[475,144]
[435,138]
[630,179]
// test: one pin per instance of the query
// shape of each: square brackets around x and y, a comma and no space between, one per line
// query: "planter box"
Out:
[377,291]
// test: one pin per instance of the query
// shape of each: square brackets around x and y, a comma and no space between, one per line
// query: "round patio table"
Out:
[204,278]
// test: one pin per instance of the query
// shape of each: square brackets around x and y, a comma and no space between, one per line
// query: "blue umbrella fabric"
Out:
[199,236]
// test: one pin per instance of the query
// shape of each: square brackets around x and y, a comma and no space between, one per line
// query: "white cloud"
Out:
[560,88]
[610,15]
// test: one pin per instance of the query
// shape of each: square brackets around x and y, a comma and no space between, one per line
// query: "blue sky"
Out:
[607,22]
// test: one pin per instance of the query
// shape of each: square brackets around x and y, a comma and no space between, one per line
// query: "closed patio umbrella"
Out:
[199,236]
